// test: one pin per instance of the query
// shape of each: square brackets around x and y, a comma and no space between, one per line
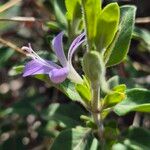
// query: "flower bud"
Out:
[93,66]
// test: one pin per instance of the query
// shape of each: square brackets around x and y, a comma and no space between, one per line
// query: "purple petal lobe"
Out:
[58,48]
[52,65]
[59,75]
[36,67]
[75,44]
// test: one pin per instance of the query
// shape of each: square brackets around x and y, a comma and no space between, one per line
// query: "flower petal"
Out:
[59,75]
[74,76]
[58,49]
[52,65]
[75,44]
[36,67]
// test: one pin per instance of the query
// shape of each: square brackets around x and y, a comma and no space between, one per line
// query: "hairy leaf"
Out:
[120,48]
[63,114]
[75,139]
[136,100]
[107,25]
[71,7]
[134,139]
[91,10]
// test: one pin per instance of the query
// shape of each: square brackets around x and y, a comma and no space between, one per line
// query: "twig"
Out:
[146,121]
[143,20]
[136,120]
[95,103]
[11,45]
[8,5]
[23,19]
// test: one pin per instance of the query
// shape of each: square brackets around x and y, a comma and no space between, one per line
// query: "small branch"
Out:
[146,121]
[8,5]
[143,20]
[11,45]
[136,120]
[95,112]
[23,19]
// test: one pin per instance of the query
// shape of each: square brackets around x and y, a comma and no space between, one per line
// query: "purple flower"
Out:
[56,73]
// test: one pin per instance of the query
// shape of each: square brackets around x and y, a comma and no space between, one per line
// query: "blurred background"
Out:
[32,112]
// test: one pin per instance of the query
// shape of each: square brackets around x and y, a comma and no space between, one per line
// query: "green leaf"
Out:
[88,121]
[16,70]
[139,137]
[113,98]
[75,139]
[93,59]
[134,139]
[19,106]
[107,25]
[53,25]
[121,46]
[5,54]
[67,87]
[91,10]
[120,146]
[136,100]
[120,88]
[59,9]
[113,81]
[14,141]
[11,12]
[74,16]
[105,112]
[143,36]
[71,7]
[84,92]
[63,114]
[111,133]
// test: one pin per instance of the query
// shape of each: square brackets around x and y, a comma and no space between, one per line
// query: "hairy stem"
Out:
[96,108]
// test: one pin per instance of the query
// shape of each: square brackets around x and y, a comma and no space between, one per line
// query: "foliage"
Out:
[119,48]
[95,114]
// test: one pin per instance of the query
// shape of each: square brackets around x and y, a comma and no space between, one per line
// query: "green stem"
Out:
[96,109]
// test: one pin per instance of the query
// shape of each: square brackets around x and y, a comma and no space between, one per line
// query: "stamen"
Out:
[27,49]
[34,55]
